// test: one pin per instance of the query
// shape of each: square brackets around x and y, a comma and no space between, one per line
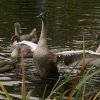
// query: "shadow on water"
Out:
[68,21]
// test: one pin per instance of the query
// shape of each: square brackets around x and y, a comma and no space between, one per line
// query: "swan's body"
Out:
[7,65]
[30,37]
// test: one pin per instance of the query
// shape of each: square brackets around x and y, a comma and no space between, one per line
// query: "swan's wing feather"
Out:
[73,52]
[77,56]
[28,43]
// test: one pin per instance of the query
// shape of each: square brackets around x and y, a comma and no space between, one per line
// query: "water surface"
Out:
[68,21]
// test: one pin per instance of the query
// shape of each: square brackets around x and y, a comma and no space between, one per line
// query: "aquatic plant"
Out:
[6,92]
[83,85]
[24,95]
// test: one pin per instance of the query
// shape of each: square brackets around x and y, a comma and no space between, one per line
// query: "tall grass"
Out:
[25,96]
[6,92]
[78,91]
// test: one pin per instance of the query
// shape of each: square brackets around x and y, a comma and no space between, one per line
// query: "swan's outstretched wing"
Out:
[77,52]
[28,43]
[75,57]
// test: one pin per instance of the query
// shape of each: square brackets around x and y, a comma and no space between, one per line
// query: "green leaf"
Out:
[5,91]
[86,78]
[23,90]
[28,95]
[44,92]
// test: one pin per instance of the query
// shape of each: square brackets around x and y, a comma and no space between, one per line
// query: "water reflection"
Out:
[68,21]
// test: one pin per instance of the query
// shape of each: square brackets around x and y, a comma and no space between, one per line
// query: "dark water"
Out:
[68,21]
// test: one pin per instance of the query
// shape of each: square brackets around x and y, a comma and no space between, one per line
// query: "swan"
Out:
[44,59]
[32,36]
[16,49]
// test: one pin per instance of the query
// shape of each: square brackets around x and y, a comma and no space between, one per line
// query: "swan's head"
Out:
[16,24]
[98,36]
[42,16]
[34,32]
[18,27]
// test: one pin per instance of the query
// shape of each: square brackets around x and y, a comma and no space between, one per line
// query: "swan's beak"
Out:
[38,16]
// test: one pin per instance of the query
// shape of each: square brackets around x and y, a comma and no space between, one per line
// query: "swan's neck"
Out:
[18,30]
[43,36]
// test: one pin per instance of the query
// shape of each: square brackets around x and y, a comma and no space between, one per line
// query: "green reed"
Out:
[78,91]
